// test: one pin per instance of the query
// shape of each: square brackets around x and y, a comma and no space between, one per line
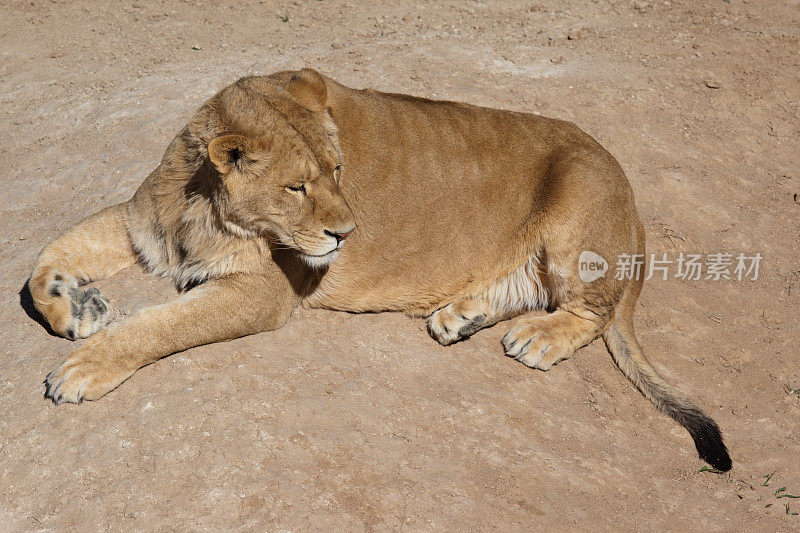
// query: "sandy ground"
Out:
[354,422]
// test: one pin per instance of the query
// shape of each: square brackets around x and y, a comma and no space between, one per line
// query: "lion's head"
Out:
[284,181]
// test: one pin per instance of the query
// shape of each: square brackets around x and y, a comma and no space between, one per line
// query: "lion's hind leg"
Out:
[578,313]
[542,341]
[95,248]
[519,291]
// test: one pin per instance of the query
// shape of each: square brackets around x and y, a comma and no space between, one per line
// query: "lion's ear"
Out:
[228,151]
[308,88]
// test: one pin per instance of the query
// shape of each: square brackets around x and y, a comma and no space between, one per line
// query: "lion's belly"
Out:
[424,251]
[418,290]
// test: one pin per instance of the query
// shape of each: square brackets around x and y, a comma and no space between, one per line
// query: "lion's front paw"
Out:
[92,314]
[457,321]
[537,344]
[82,313]
[83,376]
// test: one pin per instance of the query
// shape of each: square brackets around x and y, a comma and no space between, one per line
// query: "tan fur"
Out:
[463,214]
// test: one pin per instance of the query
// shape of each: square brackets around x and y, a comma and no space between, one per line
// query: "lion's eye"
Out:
[297,188]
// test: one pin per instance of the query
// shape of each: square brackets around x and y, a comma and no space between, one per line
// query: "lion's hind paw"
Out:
[457,321]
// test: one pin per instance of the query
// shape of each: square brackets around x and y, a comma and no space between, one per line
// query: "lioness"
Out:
[292,189]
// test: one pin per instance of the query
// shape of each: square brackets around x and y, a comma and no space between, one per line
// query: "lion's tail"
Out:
[631,360]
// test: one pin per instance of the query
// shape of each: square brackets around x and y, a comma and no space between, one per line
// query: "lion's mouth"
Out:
[313,252]
[319,261]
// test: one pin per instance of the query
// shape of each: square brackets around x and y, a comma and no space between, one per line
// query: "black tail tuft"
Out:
[707,438]
[631,360]
[705,432]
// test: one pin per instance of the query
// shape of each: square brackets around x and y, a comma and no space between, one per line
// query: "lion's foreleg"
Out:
[97,247]
[218,310]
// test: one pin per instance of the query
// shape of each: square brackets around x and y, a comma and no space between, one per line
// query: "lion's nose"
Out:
[339,235]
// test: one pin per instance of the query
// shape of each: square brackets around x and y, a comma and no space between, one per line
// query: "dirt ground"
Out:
[362,422]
